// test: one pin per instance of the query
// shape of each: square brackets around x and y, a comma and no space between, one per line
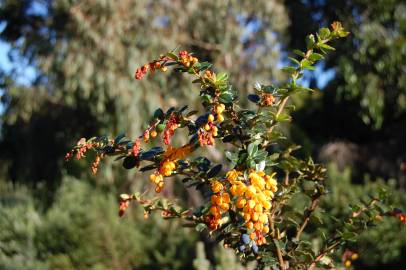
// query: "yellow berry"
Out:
[232,176]
[152,178]
[354,256]
[254,216]
[251,204]
[220,118]
[263,218]
[258,208]
[265,229]
[207,127]
[267,205]
[164,69]
[210,118]
[347,263]
[250,192]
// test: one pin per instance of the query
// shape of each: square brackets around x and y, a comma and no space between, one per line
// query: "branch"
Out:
[309,211]
[323,253]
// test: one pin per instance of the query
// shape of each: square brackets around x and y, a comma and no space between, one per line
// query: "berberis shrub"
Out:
[247,199]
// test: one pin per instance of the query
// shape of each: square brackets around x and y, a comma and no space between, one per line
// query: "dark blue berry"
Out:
[254,248]
[245,239]
[241,248]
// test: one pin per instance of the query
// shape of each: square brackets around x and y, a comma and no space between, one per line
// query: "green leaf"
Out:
[324,33]
[201,227]
[222,76]
[315,57]
[298,52]
[289,69]
[252,149]
[226,97]
[294,60]
[119,137]
[305,63]
[130,162]
[325,46]
[158,114]
[172,55]
[160,127]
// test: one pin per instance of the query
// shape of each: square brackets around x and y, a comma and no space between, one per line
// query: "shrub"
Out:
[249,205]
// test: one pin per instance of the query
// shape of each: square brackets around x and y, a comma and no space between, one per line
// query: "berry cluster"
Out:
[154,65]
[82,146]
[348,257]
[166,169]
[218,110]
[254,201]
[267,99]
[220,201]
[251,198]
[186,59]
[208,132]
[171,126]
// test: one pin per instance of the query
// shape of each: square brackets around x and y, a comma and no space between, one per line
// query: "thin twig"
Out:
[280,109]
[322,254]
[309,211]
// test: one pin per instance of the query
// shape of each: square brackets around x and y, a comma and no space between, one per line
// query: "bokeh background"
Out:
[66,72]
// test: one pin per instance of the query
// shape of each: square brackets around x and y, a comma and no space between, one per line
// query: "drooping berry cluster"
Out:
[186,59]
[166,169]
[208,132]
[250,197]
[171,126]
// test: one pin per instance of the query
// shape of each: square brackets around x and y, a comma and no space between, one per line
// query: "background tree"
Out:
[365,100]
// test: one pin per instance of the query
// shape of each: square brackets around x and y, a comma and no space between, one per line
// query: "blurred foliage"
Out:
[82,231]
[370,65]
[364,102]
[85,53]
[381,245]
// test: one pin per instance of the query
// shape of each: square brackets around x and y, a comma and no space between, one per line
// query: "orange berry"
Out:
[258,226]
[250,225]
[226,197]
[240,202]
[247,217]
[154,134]
[216,187]
[225,206]
[253,236]
[265,229]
